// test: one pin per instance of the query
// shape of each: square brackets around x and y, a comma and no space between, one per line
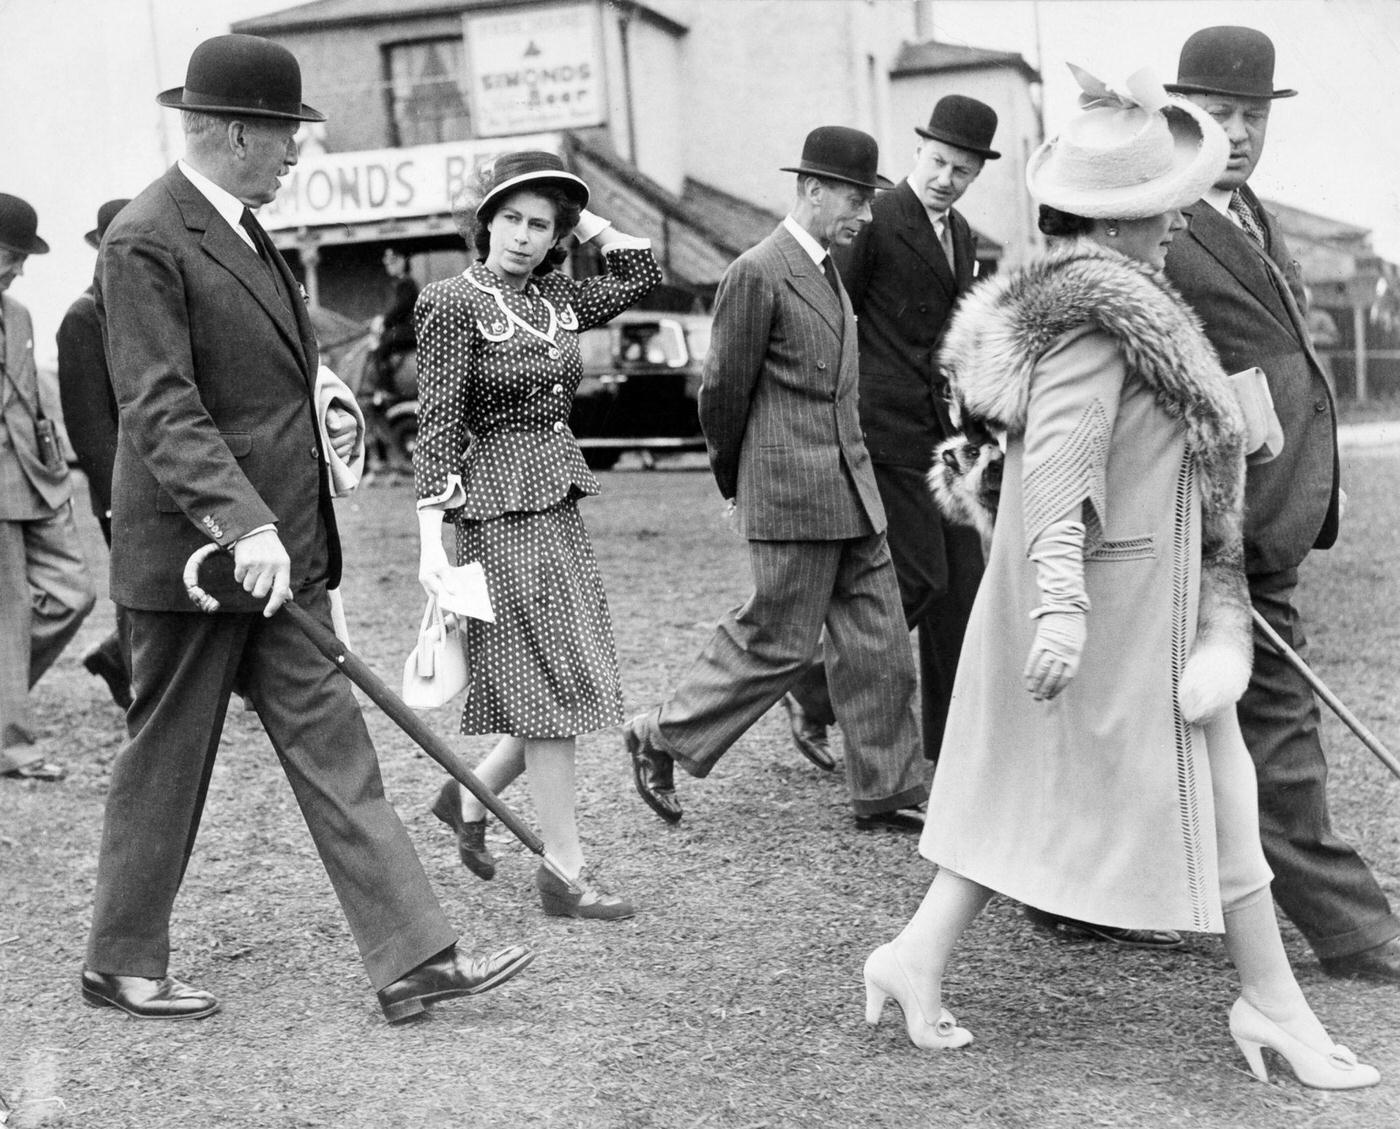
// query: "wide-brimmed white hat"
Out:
[1130,154]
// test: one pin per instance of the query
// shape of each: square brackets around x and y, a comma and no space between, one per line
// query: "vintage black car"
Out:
[641,386]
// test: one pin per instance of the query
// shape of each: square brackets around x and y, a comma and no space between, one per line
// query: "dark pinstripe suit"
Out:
[778,405]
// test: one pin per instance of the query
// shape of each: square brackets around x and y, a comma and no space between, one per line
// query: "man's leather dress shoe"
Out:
[809,736]
[144,998]
[653,771]
[447,976]
[1381,963]
[1074,930]
[901,819]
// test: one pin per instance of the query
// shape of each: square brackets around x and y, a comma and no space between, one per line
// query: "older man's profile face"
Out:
[1245,122]
[268,151]
[842,210]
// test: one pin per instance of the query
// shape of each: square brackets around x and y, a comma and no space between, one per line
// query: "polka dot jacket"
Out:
[497,372]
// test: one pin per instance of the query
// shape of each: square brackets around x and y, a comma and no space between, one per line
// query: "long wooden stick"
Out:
[1295,660]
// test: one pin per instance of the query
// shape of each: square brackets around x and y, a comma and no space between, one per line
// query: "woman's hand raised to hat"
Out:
[590,225]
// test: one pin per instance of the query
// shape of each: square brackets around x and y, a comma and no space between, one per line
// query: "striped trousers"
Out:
[759,649]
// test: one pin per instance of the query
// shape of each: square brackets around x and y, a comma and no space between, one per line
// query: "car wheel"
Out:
[404,435]
[600,459]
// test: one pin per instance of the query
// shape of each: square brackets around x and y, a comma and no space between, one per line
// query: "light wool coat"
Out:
[1099,804]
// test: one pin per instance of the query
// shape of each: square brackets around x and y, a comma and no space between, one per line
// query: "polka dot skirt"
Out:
[548,666]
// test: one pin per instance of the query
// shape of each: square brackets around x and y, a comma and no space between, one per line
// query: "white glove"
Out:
[1054,658]
[1053,661]
[589,226]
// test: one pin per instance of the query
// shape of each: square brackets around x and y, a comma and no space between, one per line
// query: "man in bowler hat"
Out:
[905,272]
[45,592]
[778,407]
[90,415]
[213,361]
[1232,265]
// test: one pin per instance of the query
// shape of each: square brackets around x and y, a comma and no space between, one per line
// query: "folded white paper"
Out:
[464,592]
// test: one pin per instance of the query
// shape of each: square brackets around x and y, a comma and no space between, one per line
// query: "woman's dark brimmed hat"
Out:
[1236,61]
[19,225]
[105,215]
[836,152]
[242,74]
[530,168]
[965,123]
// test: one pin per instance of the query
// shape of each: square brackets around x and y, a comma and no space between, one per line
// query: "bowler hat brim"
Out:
[807,168]
[93,239]
[178,98]
[1200,88]
[957,142]
[36,246]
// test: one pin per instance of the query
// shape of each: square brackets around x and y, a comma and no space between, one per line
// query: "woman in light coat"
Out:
[1093,766]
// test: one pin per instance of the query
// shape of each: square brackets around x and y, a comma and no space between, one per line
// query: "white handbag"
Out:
[436,670]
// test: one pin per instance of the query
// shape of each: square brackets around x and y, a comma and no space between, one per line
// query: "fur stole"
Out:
[1004,325]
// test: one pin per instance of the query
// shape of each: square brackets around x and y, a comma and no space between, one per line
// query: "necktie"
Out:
[1245,214]
[829,269]
[249,224]
[945,239]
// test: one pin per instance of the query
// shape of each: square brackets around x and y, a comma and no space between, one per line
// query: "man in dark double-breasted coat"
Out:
[905,272]
[213,361]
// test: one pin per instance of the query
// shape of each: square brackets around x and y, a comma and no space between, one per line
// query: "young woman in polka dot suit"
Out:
[498,363]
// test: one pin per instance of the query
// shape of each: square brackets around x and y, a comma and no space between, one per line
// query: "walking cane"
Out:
[325,641]
[1295,660]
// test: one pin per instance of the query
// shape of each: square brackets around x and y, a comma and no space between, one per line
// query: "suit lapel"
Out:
[808,280]
[221,244]
[916,230]
[17,335]
[1230,247]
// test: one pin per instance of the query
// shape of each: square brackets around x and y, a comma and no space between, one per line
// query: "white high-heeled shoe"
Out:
[885,976]
[1336,1069]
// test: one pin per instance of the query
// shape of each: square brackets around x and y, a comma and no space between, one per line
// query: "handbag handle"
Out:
[432,618]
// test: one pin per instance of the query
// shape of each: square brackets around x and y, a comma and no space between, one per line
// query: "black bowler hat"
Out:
[963,122]
[105,215]
[1236,61]
[531,168]
[839,153]
[242,74]
[19,225]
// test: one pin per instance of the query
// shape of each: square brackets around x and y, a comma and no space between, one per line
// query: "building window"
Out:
[427,102]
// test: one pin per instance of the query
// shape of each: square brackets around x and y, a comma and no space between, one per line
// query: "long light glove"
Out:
[1062,627]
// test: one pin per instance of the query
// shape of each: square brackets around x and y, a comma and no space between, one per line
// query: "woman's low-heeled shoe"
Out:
[595,902]
[1336,1069]
[471,834]
[885,976]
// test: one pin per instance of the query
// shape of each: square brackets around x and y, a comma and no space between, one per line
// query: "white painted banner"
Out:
[379,184]
[535,68]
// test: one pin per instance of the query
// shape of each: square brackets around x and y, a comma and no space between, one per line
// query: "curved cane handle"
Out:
[198,596]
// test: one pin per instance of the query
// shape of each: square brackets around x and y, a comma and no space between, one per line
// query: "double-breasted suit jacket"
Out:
[213,358]
[778,401]
[778,404]
[1251,305]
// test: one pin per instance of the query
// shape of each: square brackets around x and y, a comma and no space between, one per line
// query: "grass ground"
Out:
[733,1000]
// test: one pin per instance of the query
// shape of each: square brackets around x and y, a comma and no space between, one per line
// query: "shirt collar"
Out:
[805,240]
[224,202]
[1219,199]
